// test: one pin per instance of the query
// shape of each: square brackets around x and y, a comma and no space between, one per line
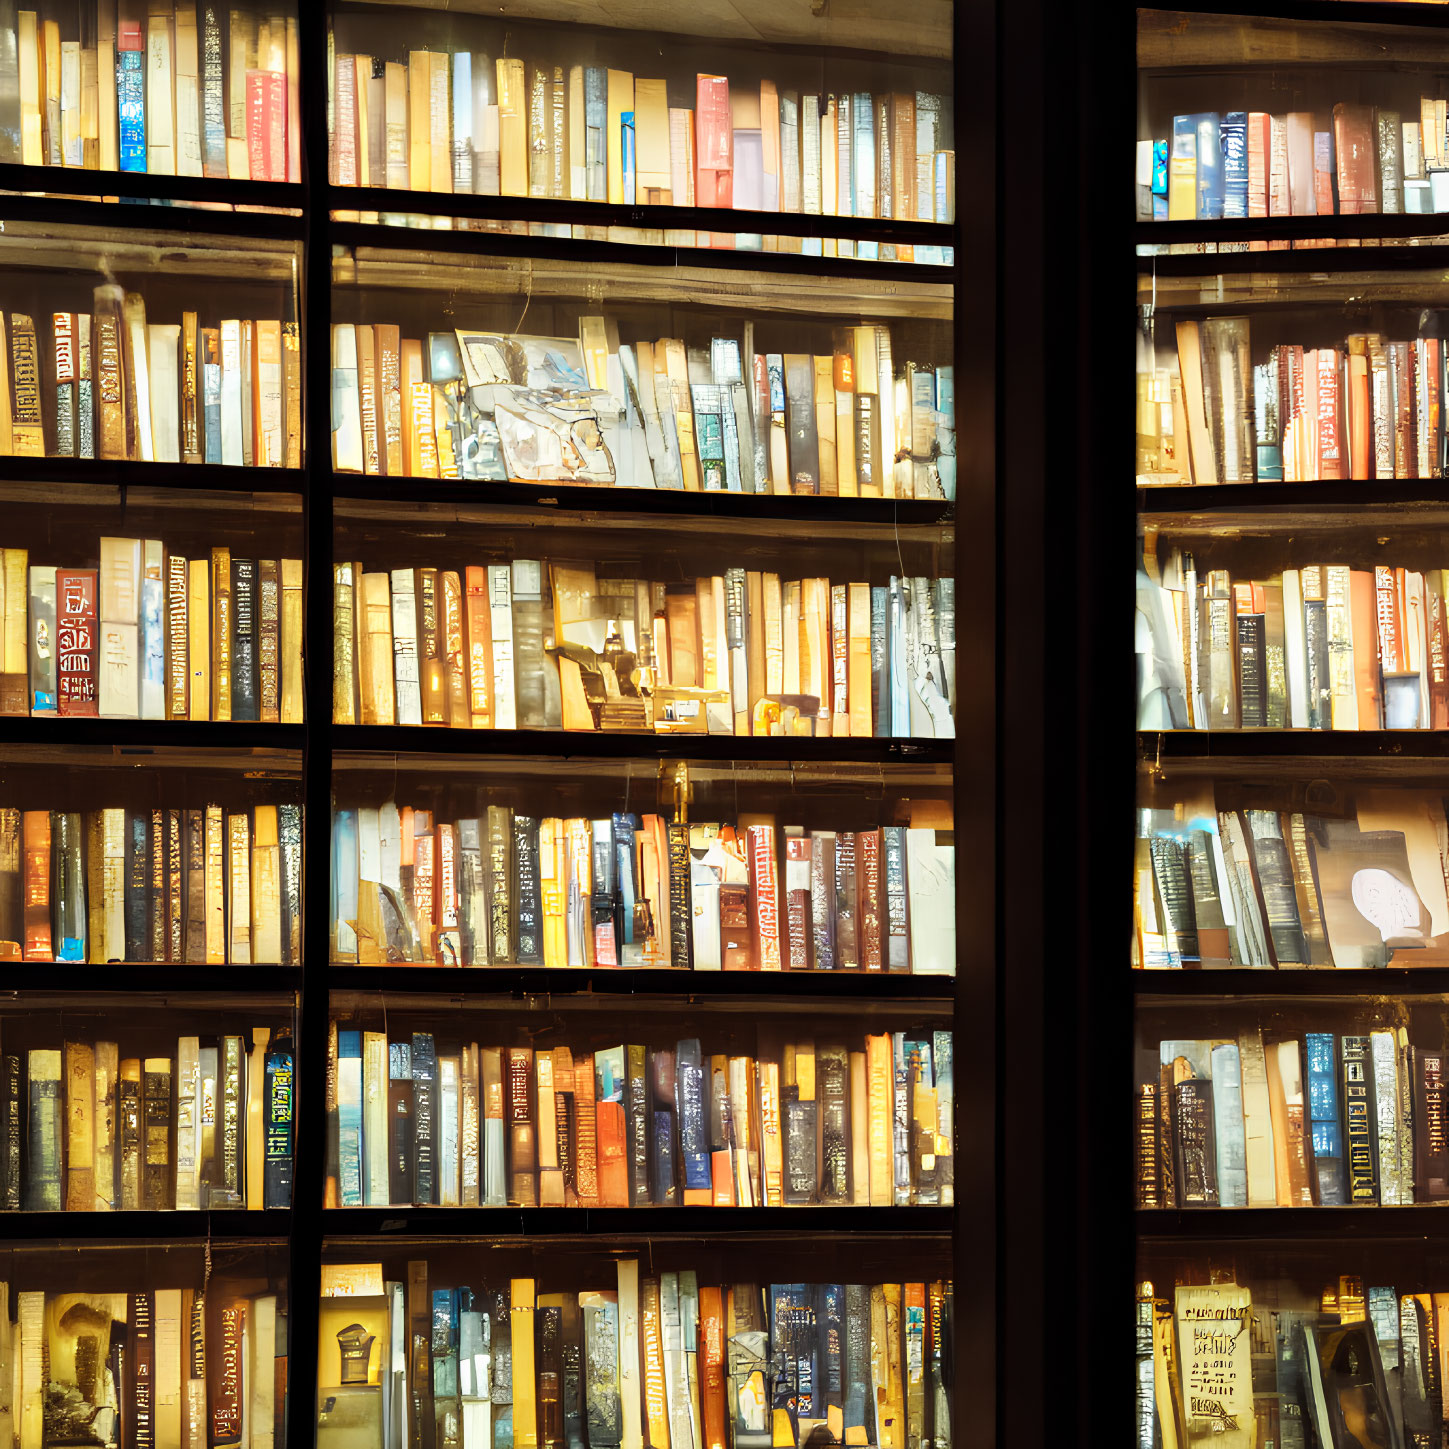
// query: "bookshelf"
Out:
[1358,1026]
[316,254]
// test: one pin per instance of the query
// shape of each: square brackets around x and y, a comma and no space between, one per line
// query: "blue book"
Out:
[153,645]
[1210,166]
[1326,1132]
[661,1160]
[1159,170]
[596,126]
[1228,1130]
[278,1113]
[211,394]
[445,1319]
[946,430]
[131,97]
[626,141]
[693,1129]
[1235,164]
[344,883]
[349,1118]
[862,113]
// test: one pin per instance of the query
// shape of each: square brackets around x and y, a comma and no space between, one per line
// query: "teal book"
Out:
[1228,1129]
[349,1118]
[1325,1132]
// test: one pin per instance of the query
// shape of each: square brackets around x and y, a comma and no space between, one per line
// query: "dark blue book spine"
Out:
[662,1160]
[1325,1128]
[277,1141]
[138,886]
[529,890]
[1210,168]
[693,1130]
[1235,164]
[244,640]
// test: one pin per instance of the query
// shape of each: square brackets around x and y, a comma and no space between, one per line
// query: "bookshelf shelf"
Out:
[59,182]
[1200,1228]
[127,735]
[1339,985]
[1319,262]
[17,978]
[1322,503]
[642,1222]
[193,477]
[601,744]
[273,1225]
[623,507]
[816,988]
[1407,747]
[76,208]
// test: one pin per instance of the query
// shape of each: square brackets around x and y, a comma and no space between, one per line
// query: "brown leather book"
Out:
[522,1143]
[269,641]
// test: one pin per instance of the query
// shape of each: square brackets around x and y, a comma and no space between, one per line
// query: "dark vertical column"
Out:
[310,1167]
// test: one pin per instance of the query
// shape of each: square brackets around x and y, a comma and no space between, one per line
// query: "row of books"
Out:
[88,1130]
[181,90]
[1321,647]
[646,414]
[505,889]
[1272,887]
[1288,1368]
[158,885]
[540,644]
[1368,409]
[108,384]
[1227,165]
[660,1358]
[418,1121]
[1323,1119]
[146,1364]
[151,634]
[463,122]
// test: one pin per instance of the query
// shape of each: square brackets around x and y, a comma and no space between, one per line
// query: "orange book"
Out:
[613,1163]
[479,647]
[711,1369]
[722,1173]
[35,836]
[1362,603]
[1360,419]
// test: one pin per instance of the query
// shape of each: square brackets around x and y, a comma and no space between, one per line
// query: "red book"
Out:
[1388,604]
[75,641]
[1358,160]
[267,126]
[722,1173]
[797,899]
[764,896]
[35,837]
[613,1164]
[423,881]
[1330,453]
[714,142]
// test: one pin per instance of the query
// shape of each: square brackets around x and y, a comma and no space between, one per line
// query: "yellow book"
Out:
[266,887]
[214,886]
[269,443]
[880,1086]
[32,133]
[420,126]
[80,1127]
[825,424]
[553,884]
[290,662]
[256,1117]
[107,1077]
[859,1127]
[652,178]
[374,660]
[198,648]
[1182,188]
[362,69]
[677,369]
[512,127]
[620,99]
[525,1408]
[50,90]
[221,627]
[239,890]
[440,116]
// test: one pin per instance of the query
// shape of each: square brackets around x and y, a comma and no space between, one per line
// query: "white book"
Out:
[374,1119]
[72,144]
[163,341]
[931,889]
[704,883]
[231,394]
[630,1377]
[495,1185]
[188,1125]
[261,1400]
[113,885]
[1257,1120]
[448,1175]
[396,1426]
[119,621]
[188,93]
[676,1372]
[482,70]
[346,404]
[462,139]
[160,118]
[1295,649]
[405,648]
[500,599]
[369,845]
[1384,1050]
[166,1371]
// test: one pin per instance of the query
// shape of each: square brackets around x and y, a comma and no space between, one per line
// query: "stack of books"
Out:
[189,1365]
[465,122]
[1265,1119]
[422,1120]
[539,644]
[157,885]
[152,634]
[510,889]
[689,1364]
[110,384]
[177,89]
[87,1130]
[648,413]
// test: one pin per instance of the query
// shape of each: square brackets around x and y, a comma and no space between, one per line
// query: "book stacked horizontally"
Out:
[648,413]
[437,1120]
[506,889]
[465,122]
[108,384]
[689,1364]
[185,1364]
[561,645]
[1321,647]
[155,885]
[151,634]
[1225,165]
[92,1131]
[1368,408]
[175,90]
[1292,1355]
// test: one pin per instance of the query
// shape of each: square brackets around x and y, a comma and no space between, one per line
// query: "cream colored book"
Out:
[395,126]
[113,884]
[440,115]
[420,126]
[188,1124]
[32,129]
[241,54]
[290,662]
[256,1116]
[231,392]
[160,99]
[188,93]
[630,1376]
[163,343]
[214,884]
[512,127]
[239,891]
[198,647]
[269,445]
[167,1370]
[266,887]
[119,619]
[72,150]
